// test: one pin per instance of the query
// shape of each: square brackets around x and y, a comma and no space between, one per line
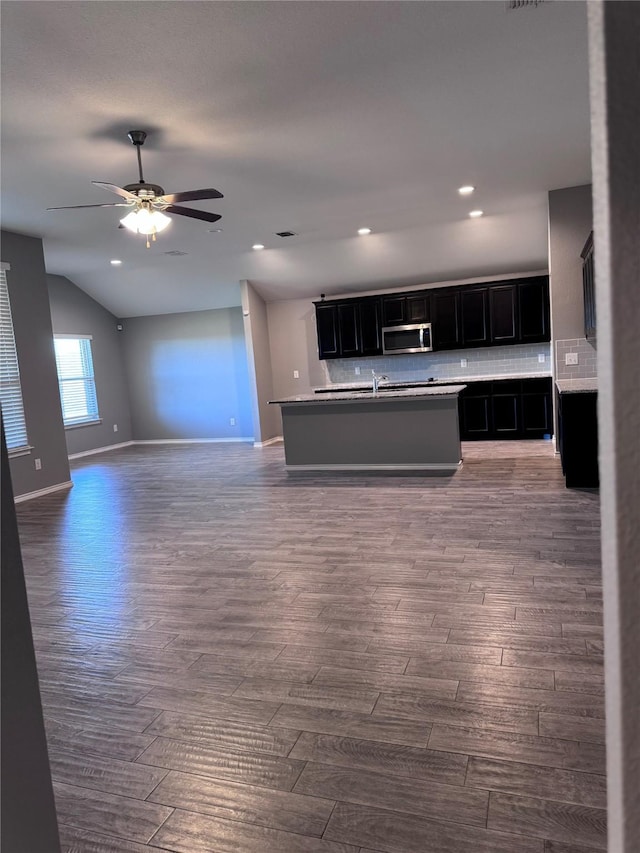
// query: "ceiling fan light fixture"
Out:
[144,221]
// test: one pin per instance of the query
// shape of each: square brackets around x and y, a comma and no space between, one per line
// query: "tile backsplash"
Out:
[485,361]
[586,353]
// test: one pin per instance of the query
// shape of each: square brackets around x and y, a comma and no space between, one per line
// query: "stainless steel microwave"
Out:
[414,338]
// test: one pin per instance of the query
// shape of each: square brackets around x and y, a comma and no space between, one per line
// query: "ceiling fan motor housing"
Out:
[144,190]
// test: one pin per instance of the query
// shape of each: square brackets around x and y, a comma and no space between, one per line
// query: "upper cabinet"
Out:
[503,312]
[533,310]
[589,289]
[474,304]
[327,328]
[349,328]
[406,309]
[463,316]
[446,319]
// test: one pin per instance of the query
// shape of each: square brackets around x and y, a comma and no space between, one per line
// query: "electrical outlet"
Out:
[115,427]
[571,358]
[541,358]
[357,371]
[232,421]
[38,464]
[296,374]
[463,362]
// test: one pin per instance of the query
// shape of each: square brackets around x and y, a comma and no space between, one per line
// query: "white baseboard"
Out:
[246,439]
[269,441]
[42,492]
[101,449]
[447,467]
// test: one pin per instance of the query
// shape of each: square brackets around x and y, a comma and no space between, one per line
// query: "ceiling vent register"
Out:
[286,234]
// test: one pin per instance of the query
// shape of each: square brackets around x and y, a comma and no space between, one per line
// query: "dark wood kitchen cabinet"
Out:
[370,326]
[474,411]
[503,312]
[589,289]
[327,328]
[533,310]
[348,328]
[394,310]
[491,314]
[536,408]
[474,309]
[446,319]
[505,409]
[578,439]
[406,309]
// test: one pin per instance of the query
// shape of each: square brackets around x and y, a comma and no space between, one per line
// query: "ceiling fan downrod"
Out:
[137,138]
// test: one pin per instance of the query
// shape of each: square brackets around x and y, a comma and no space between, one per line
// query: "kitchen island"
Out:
[397,430]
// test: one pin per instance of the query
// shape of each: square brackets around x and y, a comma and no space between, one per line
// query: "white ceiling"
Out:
[318,117]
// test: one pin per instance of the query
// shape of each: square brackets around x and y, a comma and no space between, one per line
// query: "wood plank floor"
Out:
[233,659]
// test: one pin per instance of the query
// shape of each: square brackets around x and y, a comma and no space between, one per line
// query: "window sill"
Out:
[83,424]
[20,451]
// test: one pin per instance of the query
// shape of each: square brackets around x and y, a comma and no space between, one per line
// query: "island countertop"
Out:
[353,396]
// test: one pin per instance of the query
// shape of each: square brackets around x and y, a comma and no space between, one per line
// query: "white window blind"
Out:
[10,390]
[75,377]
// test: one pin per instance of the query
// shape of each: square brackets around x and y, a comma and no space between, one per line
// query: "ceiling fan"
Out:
[148,203]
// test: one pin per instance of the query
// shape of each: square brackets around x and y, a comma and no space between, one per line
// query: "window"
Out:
[10,390]
[75,377]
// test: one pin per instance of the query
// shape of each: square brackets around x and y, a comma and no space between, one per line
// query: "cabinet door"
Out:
[474,306]
[505,409]
[533,310]
[394,310]
[348,329]
[418,308]
[588,289]
[580,439]
[502,309]
[370,337]
[327,325]
[536,408]
[446,320]
[475,417]
[536,415]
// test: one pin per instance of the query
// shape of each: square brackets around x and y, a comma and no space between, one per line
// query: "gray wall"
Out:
[29,297]
[570,222]
[27,810]
[256,332]
[73,312]
[187,376]
[614,32]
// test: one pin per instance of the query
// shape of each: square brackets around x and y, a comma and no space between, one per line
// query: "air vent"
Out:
[512,5]
[286,234]
[175,253]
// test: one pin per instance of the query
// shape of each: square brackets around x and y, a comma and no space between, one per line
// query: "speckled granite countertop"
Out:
[430,383]
[368,395]
[577,386]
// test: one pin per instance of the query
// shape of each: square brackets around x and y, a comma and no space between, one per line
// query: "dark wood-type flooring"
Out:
[233,659]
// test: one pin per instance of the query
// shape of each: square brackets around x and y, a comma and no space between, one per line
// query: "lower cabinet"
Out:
[504,409]
[578,439]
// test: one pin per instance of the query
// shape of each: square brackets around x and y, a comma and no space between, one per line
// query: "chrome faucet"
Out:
[377,380]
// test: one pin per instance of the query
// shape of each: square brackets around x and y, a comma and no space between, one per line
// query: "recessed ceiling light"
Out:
[363,231]
[214,230]
[474,214]
[257,246]
[115,262]
[466,190]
